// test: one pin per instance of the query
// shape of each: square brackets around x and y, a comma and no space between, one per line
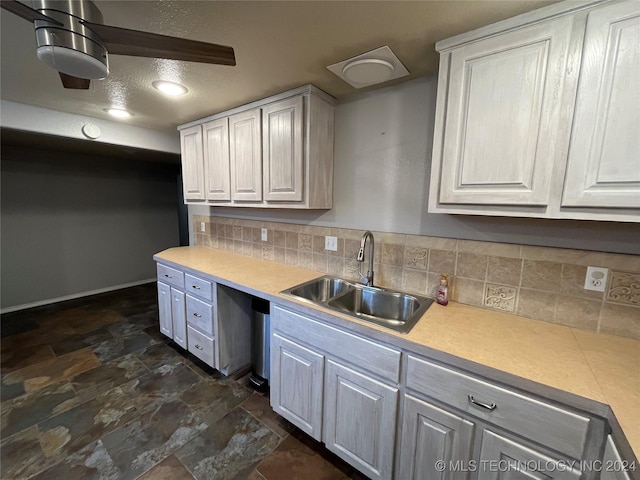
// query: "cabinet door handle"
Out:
[198,347]
[488,406]
[196,287]
[167,275]
[195,314]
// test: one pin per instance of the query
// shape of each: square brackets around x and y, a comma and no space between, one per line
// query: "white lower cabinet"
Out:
[338,387]
[432,436]
[613,466]
[171,310]
[297,385]
[360,419]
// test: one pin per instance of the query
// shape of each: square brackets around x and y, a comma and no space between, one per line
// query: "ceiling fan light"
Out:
[169,88]
[117,112]
[72,62]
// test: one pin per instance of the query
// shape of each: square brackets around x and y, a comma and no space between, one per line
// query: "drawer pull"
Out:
[198,347]
[196,287]
[488,406]
[167,275]
[195,314]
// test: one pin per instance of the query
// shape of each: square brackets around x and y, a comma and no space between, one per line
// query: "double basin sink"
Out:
[388,308]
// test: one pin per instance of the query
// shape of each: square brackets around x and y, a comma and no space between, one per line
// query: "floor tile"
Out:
[160,354]
[167,382]
[213,399]
[79,341]
[54,370]
[258,406]
[89,463]
[230,449]
[299,461]
[8,390]
[144,442]
[15,359]
[32,408]
[103,378]
[21,455]
[169,469]
[64,434]
[120,346]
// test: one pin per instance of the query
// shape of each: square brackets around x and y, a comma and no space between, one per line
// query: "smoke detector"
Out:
[377,66]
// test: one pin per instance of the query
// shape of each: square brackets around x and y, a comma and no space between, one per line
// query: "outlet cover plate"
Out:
[596,279]
[263,234]
[203,228]
[331,243]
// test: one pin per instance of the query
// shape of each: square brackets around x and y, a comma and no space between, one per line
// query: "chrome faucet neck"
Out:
[368,278]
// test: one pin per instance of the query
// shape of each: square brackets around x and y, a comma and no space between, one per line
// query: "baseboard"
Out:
[74,296]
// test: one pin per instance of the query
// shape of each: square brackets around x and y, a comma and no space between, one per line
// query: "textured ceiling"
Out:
[278,45]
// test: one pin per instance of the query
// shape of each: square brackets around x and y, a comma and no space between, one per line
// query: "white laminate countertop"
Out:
[599,367]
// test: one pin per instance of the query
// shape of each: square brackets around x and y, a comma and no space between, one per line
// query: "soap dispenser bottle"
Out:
[442,296]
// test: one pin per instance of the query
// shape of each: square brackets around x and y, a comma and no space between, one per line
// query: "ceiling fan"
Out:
[73,40]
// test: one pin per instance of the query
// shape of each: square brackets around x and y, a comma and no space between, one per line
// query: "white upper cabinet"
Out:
[604,156]
[192,163]
[503,116]
[246,156]
[538,115]
[273,153]
[216,159]
[282,153]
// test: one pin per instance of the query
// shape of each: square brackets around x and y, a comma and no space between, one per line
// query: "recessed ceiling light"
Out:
[169,88]
[117,112]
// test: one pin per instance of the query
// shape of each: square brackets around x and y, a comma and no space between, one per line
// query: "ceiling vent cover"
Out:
[377,66]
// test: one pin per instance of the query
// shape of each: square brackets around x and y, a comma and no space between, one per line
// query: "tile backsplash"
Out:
[536,282]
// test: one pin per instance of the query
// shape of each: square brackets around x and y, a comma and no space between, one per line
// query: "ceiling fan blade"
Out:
[75,83]
[122,41]
[26,12]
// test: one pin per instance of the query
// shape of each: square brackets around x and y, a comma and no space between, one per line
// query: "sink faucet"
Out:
[368,278]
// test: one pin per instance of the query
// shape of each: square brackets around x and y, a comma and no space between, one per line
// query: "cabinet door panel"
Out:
[360,420]
[164,309]
[192,163]
[502,458]
[431,434]
[282,150]
[246,156]
[216,159]
[604,157]
[613,467]
[178,309]
[296,385]
[503,119]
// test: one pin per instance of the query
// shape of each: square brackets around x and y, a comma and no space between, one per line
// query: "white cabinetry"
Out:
[604,155]
[613,466]
[338,387]
[246,156]
[210,320]
[274,153]
[537,116]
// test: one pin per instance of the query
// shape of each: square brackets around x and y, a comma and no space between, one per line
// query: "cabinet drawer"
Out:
[378,359]
[547,424]
[200,314]
[201,346]
[170,275]
[198,286]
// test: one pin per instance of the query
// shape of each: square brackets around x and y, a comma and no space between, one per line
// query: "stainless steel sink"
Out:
[395,310]
[321,289]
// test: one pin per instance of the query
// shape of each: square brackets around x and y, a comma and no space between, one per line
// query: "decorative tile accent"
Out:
[416,257]
[624,288]
[305,242]
[500,297]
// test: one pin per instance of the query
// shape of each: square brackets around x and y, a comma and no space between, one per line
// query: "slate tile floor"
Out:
[91,390]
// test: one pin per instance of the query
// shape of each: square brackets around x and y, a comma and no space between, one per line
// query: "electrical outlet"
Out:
[203,227]
[263,234]
[596,279]
[331,243]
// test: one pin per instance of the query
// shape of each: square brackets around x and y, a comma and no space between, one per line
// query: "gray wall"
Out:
[383,143]
[72,223]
